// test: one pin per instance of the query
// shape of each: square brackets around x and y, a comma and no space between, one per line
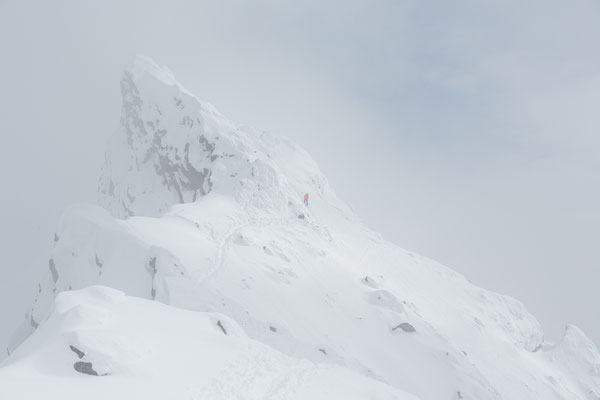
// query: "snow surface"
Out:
[207,215]
[141,349]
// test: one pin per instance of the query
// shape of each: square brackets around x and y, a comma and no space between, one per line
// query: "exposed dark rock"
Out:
[79,353]
[406,327]
[152,270]
[220,325]
[84,368]
[53,270]
[323,351]
[273,329]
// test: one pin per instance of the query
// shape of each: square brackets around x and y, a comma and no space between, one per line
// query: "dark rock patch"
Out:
[151,268]
[273,329]
[79,353]
[53,270]
[220,325]
[323,351]
[406,327]
[84,368]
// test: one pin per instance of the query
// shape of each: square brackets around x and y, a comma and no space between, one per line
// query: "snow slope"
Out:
[214,222]
[133,348]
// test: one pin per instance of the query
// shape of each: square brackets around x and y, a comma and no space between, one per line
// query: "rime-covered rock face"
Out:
[172,149]
[210,217]
[166,149]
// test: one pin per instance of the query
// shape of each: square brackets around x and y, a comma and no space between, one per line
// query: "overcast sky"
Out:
[468,131]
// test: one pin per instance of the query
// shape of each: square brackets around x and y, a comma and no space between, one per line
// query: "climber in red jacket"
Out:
[306,199]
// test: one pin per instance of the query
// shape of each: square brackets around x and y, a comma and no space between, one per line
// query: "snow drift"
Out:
[204,214]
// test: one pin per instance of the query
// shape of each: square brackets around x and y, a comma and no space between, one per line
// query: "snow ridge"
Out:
[203,214]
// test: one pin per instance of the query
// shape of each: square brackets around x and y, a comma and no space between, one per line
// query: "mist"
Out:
[465,131]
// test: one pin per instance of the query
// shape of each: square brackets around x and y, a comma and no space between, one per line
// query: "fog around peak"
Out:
[465,131]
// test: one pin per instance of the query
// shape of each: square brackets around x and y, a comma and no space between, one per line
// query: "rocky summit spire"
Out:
[171,148]
[164,152]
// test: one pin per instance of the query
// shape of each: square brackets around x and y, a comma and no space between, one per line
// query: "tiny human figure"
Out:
[306,199]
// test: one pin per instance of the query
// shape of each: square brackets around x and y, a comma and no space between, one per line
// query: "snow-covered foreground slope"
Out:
[215,223]
[130,348]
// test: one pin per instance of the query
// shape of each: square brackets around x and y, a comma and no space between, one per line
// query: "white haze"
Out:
[488,112]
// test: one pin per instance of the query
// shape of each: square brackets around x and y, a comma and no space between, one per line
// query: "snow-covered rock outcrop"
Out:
[216,223]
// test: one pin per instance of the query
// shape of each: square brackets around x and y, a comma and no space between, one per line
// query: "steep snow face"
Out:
[99,344]
[216,223]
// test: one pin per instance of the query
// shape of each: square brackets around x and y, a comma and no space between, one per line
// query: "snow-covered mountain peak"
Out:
[171,148]
[143,65]
[207,215]
[152,79]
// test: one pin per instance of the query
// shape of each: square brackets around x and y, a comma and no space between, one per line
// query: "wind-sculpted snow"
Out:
[216,223]
[99,344]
